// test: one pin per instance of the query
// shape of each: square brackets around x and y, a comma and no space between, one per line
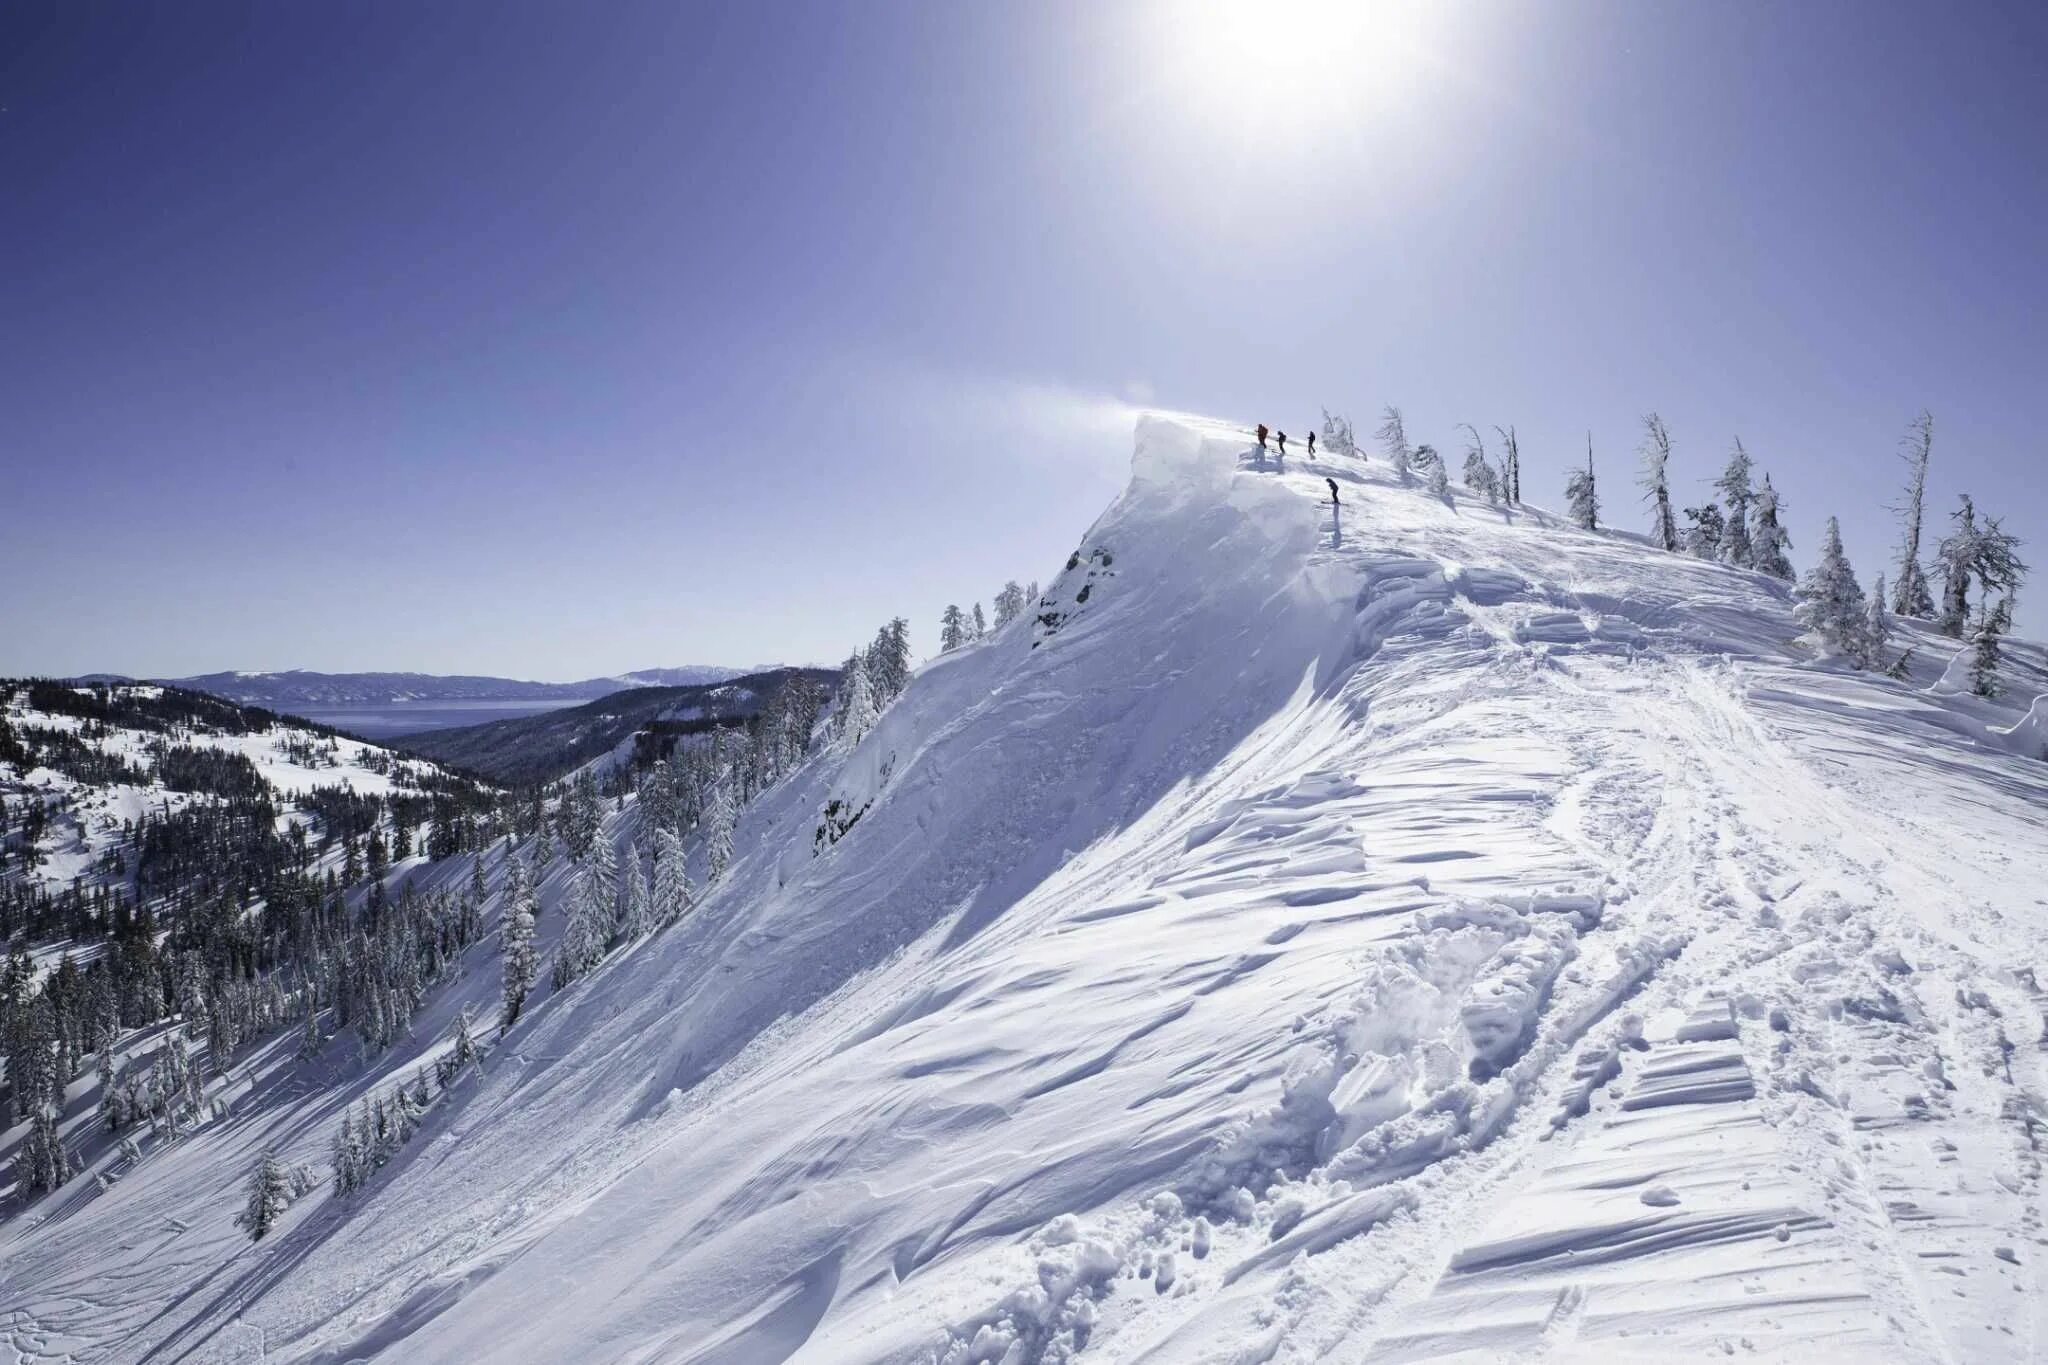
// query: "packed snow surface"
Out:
[1419,930]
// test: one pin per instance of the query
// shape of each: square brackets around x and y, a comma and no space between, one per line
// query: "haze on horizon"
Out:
[544,343]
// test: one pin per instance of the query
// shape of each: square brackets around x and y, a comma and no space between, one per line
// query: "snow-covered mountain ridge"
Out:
[1463,936]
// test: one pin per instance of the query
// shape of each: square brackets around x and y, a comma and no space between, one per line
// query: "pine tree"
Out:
[952,629]
[980,623]
[857,711]
[1987,654]
[1704,532]
[347,1156]
[1009,604]
[1337,437]
[1987,552]
[1435,472]
[671,893]
[636,917]
[1878,624]
[718,833]
[1736,496]
[1957,557]
[888,661]
[603,866]
[589,927]
[1580,496]
[462,1051]
[1656,481]
[1911,597]
[1393,439]
[1480,476]
[270,1194]
[309,1036]
[1832,605]
[1767,539]
[515,939]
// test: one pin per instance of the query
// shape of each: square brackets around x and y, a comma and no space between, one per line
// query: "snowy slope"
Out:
[1470,938]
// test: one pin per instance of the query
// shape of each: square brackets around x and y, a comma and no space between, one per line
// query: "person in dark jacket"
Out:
[1333,491]
[1311,445]
[1280,439]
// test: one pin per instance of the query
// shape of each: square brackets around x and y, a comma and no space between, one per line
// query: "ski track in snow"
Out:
[1471,939]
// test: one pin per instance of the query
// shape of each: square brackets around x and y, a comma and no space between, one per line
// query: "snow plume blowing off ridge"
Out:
[1441,933]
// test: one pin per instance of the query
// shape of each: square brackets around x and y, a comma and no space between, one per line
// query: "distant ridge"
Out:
[298,689]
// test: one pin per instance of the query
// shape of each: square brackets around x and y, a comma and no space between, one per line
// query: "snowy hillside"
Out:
[1418,931]
[100,758]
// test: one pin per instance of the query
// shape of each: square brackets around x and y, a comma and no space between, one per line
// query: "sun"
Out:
[1291,70]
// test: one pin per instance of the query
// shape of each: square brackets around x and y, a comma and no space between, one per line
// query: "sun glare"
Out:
[1292,70]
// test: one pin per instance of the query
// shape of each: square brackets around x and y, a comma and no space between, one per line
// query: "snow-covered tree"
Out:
[269,1195]
[309,1034]
[462,1051]
[719,819]
[350,1155]
[1656,481]
[671,893]
[1910,596]
[1581,499]
[41,1163]
[952,629]
[1736,496]
[585,933]
[1988,553]
[857,707]
[1337,437]
[1986,652]
[1480,476]
[888,661]
[1878,624]
[1703,531]
[1009,604]
[1831,601]
[602,864]
[980,623]
[1957,557]
[1476,462]
[1393,439]
[1767,539]
[515,939]
[636,913]
[1434,470]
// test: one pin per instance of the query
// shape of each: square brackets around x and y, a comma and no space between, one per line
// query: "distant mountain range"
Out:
[528,749]
[300,689]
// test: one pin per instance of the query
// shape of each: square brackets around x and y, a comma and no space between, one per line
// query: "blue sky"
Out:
[553,340]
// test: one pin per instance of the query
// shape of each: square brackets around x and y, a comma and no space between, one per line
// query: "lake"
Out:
[381,722]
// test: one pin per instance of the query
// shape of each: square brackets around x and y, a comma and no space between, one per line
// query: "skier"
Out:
[1333,486]
[1311,445]
[1280,438]
[1262,438]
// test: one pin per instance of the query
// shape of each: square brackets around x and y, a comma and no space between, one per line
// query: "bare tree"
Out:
[1511,464]
[1910,596]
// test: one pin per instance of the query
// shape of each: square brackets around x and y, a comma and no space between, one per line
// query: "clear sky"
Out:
[552,340]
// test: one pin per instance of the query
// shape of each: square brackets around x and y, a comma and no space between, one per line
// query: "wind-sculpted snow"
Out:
[1470,937]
